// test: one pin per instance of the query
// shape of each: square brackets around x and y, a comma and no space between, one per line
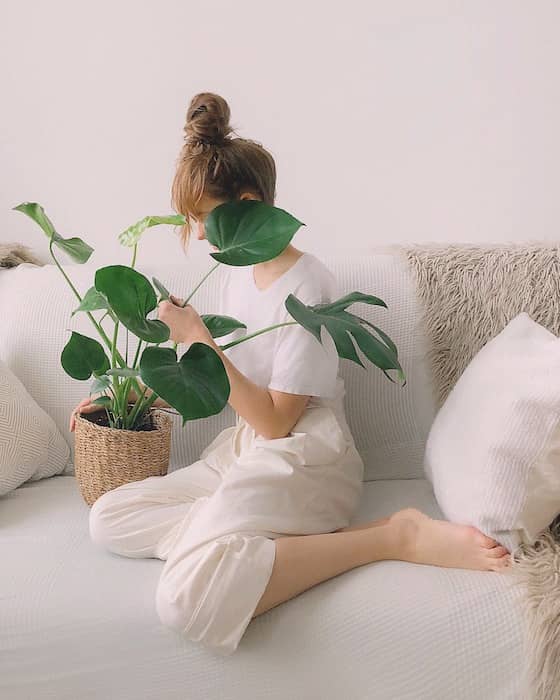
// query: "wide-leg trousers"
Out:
[214,522]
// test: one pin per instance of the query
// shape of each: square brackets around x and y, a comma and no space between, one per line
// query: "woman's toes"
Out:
[497,552]
[501,564]
[485,541]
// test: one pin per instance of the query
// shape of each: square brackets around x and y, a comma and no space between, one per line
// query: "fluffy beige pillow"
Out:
[31,446]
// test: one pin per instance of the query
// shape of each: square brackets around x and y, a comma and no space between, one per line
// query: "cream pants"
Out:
[214,522]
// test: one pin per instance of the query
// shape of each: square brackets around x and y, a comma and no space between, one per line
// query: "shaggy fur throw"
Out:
[14,254]
[469,294]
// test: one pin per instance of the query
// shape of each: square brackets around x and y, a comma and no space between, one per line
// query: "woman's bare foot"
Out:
[441,543]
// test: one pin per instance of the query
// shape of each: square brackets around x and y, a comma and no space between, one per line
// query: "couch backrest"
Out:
[390,424]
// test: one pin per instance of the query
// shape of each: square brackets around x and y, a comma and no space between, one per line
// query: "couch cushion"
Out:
[77,621]
[390,424]
[31,446]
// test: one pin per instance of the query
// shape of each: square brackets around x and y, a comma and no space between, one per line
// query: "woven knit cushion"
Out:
[493,452]
[390,424]
[31,446]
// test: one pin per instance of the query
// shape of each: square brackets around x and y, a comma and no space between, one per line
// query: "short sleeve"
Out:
[302,364]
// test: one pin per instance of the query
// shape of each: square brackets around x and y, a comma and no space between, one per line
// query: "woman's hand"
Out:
[85,406]
[185,324]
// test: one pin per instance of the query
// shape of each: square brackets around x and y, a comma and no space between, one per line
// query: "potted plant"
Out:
[131,439]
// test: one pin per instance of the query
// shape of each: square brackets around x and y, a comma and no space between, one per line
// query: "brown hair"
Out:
[214,164]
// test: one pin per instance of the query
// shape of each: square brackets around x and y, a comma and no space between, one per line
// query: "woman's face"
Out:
[205,206]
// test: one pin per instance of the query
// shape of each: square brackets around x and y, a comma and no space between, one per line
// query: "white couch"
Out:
[79,623]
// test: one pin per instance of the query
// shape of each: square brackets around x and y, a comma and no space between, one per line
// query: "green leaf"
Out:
[164,294]
[83,356]
[384,337]
[221,325]
[123,372]
[197,385]
[100,384]
[249,231]
[76,248]
[352,298]
[133,233]
[91,301]
[343,327]
[104,401]
[131,297]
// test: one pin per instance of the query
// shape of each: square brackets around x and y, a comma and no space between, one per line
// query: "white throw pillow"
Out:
[493,451]
[31,446]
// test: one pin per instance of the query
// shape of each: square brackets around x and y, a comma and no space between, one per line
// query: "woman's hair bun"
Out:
[208,119]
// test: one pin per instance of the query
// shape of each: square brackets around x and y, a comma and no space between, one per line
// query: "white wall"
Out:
[390,121]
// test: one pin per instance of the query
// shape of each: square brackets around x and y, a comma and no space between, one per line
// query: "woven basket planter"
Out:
[106,457]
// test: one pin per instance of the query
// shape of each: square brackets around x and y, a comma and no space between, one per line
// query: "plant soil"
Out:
[100,418]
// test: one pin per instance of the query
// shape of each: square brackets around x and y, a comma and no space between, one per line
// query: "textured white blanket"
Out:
[469,294]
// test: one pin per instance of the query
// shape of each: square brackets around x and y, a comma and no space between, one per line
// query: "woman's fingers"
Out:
[85,406]
[176,300]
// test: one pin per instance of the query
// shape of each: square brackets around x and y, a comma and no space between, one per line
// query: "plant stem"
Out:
[137,353]
[134,255]
[116,384]
[252,335]
[147,402]
[97,325]
[195,289]
[200,283]
[136,408]
[99,329]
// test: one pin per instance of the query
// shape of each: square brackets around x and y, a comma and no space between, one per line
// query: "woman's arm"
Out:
[271,413]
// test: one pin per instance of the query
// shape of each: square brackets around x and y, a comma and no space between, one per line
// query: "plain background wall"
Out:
[390,121]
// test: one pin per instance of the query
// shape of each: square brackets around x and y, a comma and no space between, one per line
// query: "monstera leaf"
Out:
[131,297]
[249,231]
[344,326]
[83,356]
[197,385]
[221,325]
[133,233]
[77,249]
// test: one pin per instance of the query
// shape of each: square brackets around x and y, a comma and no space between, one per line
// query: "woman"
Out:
[263,514]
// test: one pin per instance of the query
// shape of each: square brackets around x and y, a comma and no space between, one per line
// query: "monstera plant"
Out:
[196,384]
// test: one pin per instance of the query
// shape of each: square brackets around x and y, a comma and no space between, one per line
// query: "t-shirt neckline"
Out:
[277,281]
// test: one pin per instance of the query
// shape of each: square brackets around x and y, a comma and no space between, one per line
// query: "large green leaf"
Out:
[343,327]
[197,385]
[83,356]
[221,325]
[76,248]
[131,297]
[249,231]
[132,235]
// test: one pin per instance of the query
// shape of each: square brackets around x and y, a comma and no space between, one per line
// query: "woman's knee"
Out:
[171,613]
[102,516]
[210,593]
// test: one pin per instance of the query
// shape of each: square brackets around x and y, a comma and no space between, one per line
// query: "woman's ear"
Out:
[248,195]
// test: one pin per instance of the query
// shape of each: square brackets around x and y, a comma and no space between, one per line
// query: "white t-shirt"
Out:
[288,359]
